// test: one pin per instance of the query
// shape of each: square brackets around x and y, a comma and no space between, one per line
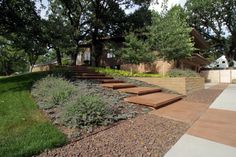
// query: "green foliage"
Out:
[234,81]
[215,19]
[169,35]
[24,130]
[86,111]
[52,91]
[114,72]
[135,51]
[11,58]
[182,73]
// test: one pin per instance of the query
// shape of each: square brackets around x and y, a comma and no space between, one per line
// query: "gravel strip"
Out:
[146,135]
[206,96]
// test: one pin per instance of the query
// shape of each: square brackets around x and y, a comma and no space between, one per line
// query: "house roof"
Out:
[199,41]
[197,59]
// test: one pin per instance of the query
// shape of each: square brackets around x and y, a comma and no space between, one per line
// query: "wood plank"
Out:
[140,90]
[117,85]
[216,125]
[154,100]
[183,111]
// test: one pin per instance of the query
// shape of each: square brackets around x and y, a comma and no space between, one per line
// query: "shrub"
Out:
[234,81]
[86,111]
[52,91]
[114,72]
[182,73]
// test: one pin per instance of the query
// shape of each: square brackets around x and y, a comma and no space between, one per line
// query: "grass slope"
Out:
[24,131]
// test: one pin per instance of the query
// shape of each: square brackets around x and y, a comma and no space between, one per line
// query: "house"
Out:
[195,62]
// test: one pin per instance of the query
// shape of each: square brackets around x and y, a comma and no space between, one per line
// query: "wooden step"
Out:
[83,71]
[118,85]
[93,77]
[112,81]
[140,90]
[90,74]
[155,100]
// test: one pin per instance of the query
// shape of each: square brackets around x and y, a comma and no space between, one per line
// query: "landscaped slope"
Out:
[24,130]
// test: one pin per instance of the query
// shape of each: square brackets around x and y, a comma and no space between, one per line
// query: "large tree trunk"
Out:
[58,54]
[96,49]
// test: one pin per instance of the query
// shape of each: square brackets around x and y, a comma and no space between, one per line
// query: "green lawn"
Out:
[24,130]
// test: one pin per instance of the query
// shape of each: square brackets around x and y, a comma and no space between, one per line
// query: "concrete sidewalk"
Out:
[214,134]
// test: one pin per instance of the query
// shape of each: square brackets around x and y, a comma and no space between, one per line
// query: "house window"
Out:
[87,56]
[223,62]
[110,55]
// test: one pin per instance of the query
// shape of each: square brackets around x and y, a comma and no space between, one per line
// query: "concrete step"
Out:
[141,90]
[117,85]
[93,77]
[155,100]
[112,81]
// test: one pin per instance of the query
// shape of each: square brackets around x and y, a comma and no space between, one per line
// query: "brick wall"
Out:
[158,66]
[180,85]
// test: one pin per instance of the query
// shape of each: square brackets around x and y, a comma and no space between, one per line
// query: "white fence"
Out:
[219,76]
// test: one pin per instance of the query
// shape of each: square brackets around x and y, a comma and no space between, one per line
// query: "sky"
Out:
[170,3]
[156,7]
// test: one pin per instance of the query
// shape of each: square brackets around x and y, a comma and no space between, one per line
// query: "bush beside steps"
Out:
[77,109]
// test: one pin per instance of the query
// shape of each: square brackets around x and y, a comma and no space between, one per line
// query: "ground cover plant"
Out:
[115,72]
[81,107]
[24,130]
[182,73]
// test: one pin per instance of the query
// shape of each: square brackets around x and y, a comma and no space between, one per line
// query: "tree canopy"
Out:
[216,20]
[169,34]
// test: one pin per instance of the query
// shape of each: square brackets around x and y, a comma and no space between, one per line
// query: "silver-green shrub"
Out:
[52,91]
[87,111]
[182,73]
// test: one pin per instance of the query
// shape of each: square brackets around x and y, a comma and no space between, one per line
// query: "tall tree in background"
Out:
[59,32]
[21,23]
[10,57]
[169,34]
[216,20]
[136,51]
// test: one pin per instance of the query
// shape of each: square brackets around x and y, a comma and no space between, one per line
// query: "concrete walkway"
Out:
[214,134]
[227,100]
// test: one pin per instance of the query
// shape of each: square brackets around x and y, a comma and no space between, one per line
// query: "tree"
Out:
[216,20]
[10,57]
[22,25]
[59,34]
[170,35]
[135,51]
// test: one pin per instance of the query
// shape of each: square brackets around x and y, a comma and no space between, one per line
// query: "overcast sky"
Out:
[170,3]
[153,7]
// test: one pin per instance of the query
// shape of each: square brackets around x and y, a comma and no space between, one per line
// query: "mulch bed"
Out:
[146,135]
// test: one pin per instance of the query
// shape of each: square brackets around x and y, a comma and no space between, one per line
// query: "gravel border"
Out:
[146,135]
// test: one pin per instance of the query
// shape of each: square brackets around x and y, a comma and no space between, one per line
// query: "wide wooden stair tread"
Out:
[140,90]
[91,74]
[93,77]
[155,100]
[118,85]
[111,81]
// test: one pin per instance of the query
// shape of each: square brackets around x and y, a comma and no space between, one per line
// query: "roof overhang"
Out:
[199,41]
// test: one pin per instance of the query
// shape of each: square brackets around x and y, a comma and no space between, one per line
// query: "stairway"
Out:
[147,96]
